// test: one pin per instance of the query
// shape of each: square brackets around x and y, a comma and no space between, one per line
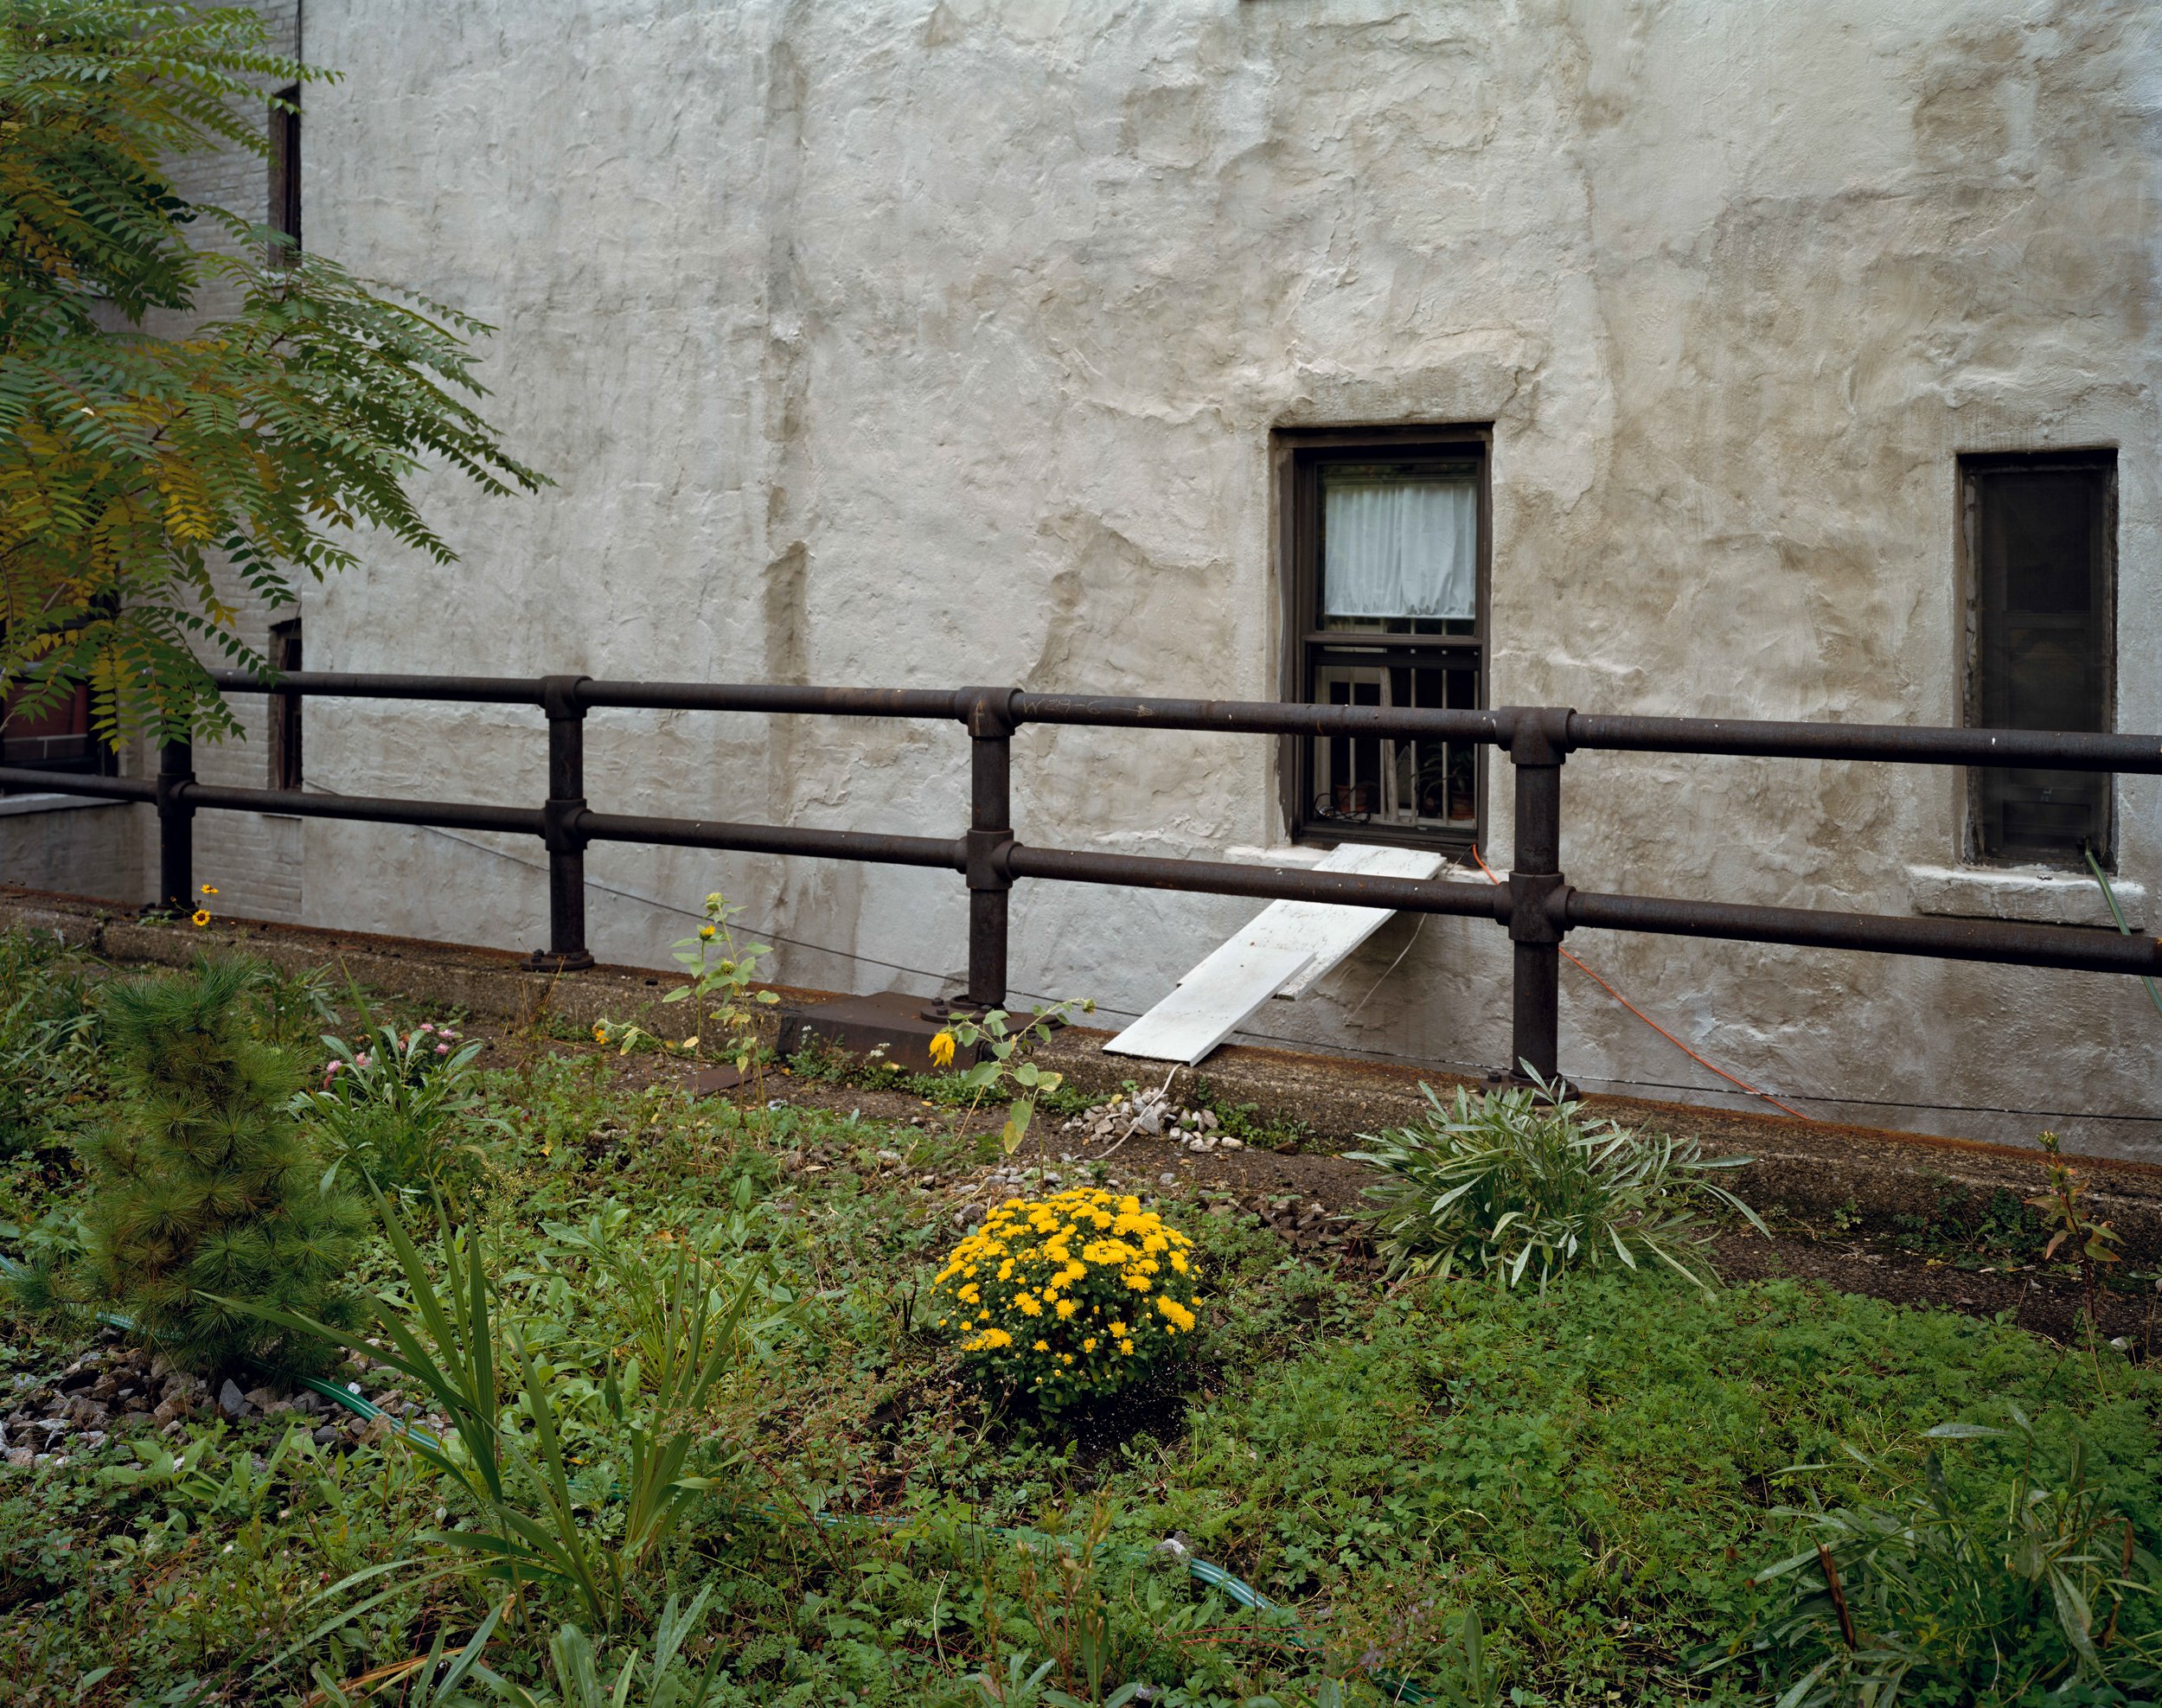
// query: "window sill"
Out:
[2035,895]
[1288,854]
[15,806]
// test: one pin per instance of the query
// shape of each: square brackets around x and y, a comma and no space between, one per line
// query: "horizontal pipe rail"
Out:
[369,685]
[2052,749]
[1536,906]
[2006,942]
[372,808]
[869,847]
[1897,744]
[78,783]
[841,702]
[1260,717]
[1269,883]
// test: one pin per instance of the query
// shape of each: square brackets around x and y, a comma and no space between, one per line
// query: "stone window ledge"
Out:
[13,806]
[1288,854]
[2034,894]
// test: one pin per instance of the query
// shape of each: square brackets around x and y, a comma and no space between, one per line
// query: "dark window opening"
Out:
[2040,536]
[59,738]
[1384,552]
[284,708]
[285,176]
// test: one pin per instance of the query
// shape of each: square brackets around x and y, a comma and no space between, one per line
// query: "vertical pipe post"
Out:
[175,829]
[1538,895]
[567,950]
[990,719]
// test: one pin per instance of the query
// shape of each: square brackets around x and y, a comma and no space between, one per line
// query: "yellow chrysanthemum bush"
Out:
[1067,1297]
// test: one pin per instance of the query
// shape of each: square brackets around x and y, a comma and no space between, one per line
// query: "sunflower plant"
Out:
[1069,1296]
[721,972]
[1004,1062]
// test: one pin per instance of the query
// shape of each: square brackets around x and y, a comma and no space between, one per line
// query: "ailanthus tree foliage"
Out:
[206,1188]
[133,466]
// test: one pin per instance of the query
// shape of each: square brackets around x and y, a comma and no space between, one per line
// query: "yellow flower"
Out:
[1043,1346]
[942,1047]
[1126,1348]
[1118,1329]
[202,916]
[600,1034]
[1066,1308]
[210,889]
[707,932]
[1088,1344]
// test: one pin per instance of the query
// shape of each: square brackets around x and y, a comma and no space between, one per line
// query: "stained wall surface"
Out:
[921,344]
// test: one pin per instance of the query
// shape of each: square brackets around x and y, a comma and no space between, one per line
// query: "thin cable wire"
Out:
[1731,1078]
[1473,1068]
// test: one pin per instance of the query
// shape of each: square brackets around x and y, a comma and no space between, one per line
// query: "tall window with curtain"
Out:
[1384,546]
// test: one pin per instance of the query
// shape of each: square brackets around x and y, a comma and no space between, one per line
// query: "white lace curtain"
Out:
[1399,547]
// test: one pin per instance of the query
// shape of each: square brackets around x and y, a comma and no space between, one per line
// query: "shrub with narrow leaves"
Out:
[399,1111]
[1958,1588]
[1518,1182]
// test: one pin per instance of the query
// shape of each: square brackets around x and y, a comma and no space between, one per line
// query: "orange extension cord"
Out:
[1713,1066]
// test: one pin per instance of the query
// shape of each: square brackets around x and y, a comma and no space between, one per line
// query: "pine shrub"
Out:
[206,1188]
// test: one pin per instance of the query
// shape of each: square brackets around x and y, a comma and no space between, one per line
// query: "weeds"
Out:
[2063,1208]
[1593,1473]
[396,1113]
[1994,1594]
[585,1528]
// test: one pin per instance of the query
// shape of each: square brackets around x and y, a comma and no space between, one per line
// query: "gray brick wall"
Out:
[82,848]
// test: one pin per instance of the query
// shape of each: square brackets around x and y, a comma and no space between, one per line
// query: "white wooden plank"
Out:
[1331,932]
[1210,1002]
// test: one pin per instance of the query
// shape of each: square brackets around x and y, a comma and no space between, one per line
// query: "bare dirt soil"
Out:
[1307,1197]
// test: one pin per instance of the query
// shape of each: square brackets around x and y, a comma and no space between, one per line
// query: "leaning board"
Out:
[1210,1002]
[1331,932]
[1281,952]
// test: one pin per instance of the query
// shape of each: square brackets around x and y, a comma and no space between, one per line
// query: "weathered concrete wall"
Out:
[932,343]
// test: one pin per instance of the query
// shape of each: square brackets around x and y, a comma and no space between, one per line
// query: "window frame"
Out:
[1972,469]
[287,750]
[100,759]
[285,178]
[1298,456]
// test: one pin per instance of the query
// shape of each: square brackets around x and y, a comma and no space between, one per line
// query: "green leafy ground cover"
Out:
[1598,1476]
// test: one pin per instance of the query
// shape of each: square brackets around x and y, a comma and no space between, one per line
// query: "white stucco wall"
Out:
[916,344]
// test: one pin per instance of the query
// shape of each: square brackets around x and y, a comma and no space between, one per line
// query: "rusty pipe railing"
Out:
[1538,907]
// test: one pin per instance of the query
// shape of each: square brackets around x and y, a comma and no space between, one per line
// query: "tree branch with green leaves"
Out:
[141,476]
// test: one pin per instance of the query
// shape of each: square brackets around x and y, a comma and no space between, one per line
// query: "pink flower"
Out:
[360,1060]
[427,1025]
[442,1049]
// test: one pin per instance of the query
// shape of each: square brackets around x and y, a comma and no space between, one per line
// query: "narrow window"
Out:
[60,738]
[285,176]
[2041,554]
[1384,546]
[284,708]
